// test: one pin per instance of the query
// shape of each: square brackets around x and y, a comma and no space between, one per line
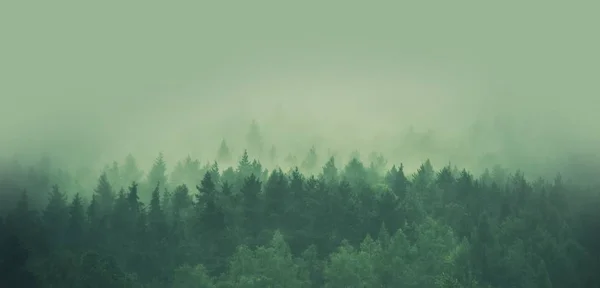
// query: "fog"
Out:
[89,83]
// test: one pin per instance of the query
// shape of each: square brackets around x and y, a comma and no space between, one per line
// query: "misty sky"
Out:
[104,76]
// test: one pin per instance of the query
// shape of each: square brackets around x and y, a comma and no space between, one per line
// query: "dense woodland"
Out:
[353,223]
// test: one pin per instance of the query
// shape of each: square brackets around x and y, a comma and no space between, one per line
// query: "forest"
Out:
[401,144]
[313,221]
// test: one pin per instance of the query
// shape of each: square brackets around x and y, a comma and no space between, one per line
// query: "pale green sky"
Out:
[82,71]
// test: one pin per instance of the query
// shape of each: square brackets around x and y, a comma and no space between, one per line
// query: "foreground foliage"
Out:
[350,226]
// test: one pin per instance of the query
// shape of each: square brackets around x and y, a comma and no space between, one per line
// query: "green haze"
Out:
[91,82]
[299,144]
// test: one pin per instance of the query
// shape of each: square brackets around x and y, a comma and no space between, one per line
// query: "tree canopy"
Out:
[325,223]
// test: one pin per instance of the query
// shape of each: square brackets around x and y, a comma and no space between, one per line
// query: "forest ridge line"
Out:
[354,225]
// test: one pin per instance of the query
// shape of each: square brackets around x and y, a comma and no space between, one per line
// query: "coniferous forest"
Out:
[354,223]
[299,144]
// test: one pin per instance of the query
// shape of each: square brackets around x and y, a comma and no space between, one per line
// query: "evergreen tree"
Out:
[276,198]
[251,205]
[56,216]
[397,181]
[134,205]
[211,224]
[104,196]
[330,171]
[156,216]
[181,201]
[158,173]
[244,168]
[355,172]
[97,225]
[361,227]
[76,226]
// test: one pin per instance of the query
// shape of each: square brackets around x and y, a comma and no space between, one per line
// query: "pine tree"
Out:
[215,173]
[276,198]
[104,196]
[244,168]
[156,216]
[56,216]
[330,172]
[397,181]
[76,225]
[121,221]
[251,205]
[181,201]
[134,204]
[96,225]
[158,173]
[211,220]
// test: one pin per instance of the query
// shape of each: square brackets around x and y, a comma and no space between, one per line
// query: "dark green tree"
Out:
[330,171]
[252,209]
[104,196]
[76,226]
[56,217]
[211,228]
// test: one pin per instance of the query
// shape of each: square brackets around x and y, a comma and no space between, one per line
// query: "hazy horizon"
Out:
[92,82]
